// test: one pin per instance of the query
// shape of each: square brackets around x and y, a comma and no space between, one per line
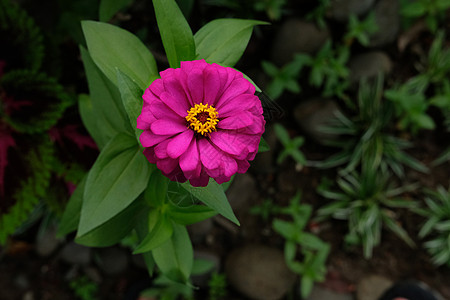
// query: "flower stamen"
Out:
[202,118]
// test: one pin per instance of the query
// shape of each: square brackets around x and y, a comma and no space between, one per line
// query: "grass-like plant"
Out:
[437,225]
[368,134]
[433,11]
[314,251]
[368,202]
[290,146]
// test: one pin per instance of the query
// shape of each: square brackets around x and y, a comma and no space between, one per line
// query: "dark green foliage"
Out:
[367,134]
[32,188]
[22,45]
[43,101]
[367,201]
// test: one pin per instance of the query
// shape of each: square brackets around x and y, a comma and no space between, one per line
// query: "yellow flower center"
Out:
[202,118]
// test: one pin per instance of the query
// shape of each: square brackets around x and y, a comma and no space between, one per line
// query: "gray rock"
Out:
[259,272]
[320,293]
[200,230]
[369,65]
[313,114]
[112,260]
[75,254]
[297,36]
[342,9]
[240,191]
[387,17]
[372,287]
[47,242]
[264,162]
[21,281]
[201,280]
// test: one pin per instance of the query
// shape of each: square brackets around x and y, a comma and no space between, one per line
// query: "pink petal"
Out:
[174,86]
[146,117]
[189,160]
[212,85]
[157,87]
[178,105]
[195,84]
[161,149]
[167,127]
[149,139]
[162,111]
[167,166]
[239,103]
[237,121]
[238,87]
[150,155]
[209,155]
[229,143]
[188,66]
[201,180]
[149,96]
[243,166]
[179,143]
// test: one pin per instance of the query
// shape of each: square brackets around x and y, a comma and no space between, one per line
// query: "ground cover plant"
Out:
[166,129]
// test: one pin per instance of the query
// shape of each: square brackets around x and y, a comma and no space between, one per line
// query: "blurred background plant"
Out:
[436,228]
[368,201]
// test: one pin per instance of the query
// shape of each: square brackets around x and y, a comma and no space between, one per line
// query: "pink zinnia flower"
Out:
[200,121]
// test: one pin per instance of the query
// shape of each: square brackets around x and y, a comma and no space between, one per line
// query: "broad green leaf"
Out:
[156,192]
[159,234]
[131,98]
[108,8]
[119,175]
[223,41]
[175,257]
[71,216]
[115,229]
[103,114]
[190,215]
[175,32]
[214,197]
[202,266]
[112,47]
[142,229]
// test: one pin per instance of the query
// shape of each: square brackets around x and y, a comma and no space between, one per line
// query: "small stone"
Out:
[28,296]
[313,114]
[198,231]
[320,293]
[387,18]
[47,242]
[372,287]
[297,36]
[21,281]
[202,280]
[342,9]
[76,254]
[369,65]
[112,260]
[259,272]
[240,191]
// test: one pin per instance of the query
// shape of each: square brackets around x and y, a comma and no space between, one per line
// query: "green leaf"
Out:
[156,192]
[282,134]
[108,8]
[116,179]
[175,32]
[223,41]
[131,98]
[112,47]
[71,216]
[115,229]
[175,257]
[158,235]
[214,197]
[263,146]
[103,114]
[190,215]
